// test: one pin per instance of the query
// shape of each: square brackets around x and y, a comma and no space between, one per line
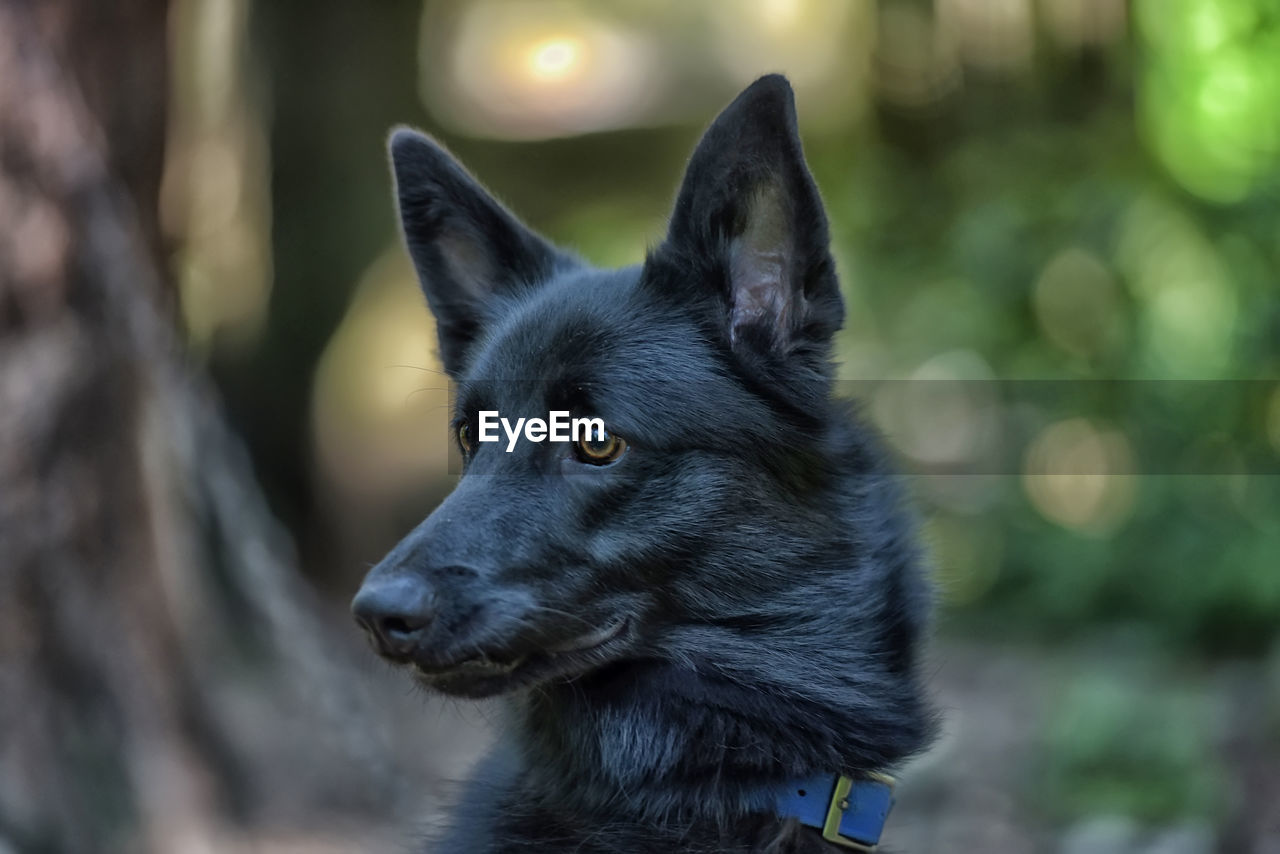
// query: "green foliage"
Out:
[1117,745]
[1209,108]
[954,251]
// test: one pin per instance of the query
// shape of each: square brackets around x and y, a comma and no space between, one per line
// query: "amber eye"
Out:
[599,447]
[464,438]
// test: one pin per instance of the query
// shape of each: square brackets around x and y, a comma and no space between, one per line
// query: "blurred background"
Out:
[1058,228]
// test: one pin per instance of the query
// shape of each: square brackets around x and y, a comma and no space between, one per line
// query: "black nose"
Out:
[395,611]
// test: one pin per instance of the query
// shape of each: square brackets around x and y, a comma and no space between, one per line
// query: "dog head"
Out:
[728,513]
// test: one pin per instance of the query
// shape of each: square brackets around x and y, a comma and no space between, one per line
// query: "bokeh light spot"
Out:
[534,70]
[1190,307]
[1207,94]
[1077,304]
[379,388]
[555,58]
[1079,475]
[946,413]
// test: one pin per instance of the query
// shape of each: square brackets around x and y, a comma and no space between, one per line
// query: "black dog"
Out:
[706,617]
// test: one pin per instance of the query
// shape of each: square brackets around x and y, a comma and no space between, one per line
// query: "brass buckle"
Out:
[836,810]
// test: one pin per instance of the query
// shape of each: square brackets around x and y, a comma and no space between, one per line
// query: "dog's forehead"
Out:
[594,339]
[570,329]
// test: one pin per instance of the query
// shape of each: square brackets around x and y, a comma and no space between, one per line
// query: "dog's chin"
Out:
[482,676]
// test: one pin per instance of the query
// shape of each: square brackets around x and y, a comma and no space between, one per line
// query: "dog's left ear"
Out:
[749,209]
[466,247]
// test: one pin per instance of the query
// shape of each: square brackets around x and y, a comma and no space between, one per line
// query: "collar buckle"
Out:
[840,804]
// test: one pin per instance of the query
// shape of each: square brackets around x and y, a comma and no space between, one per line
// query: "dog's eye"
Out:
[600,447]
[464,438]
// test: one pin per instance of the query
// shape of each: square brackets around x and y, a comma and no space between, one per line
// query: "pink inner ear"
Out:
[760,292]
[760,274]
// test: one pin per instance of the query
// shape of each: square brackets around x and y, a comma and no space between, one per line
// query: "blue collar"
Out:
[849,812]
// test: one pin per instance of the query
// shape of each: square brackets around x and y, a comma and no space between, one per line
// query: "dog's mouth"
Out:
[486,674]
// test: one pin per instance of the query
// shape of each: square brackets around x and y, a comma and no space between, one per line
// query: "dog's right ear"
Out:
[750,221]
[466,247]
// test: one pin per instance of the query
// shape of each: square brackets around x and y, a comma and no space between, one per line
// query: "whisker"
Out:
[420,390]
[419,368]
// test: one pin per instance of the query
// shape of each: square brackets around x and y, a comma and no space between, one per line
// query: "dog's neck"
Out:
[660,743]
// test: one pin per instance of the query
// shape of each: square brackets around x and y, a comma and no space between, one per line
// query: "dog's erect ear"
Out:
[749,207]
[465,246]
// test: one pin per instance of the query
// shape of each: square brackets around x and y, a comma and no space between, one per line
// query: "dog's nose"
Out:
[395,611]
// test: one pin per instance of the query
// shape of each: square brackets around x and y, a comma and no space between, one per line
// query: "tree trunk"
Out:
[136,556]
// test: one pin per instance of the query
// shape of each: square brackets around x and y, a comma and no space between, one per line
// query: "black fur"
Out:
[748,549]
